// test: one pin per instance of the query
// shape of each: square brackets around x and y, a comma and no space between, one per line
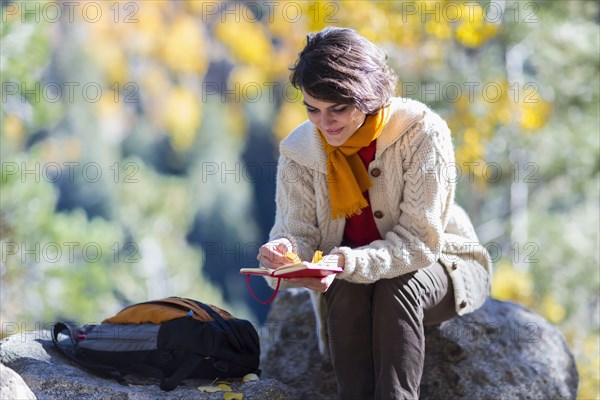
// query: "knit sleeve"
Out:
[295,202]
[417,238]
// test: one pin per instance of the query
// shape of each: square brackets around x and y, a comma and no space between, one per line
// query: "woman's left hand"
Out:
[318,284]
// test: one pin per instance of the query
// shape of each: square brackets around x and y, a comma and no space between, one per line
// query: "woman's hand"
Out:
[272,255]
[318,284]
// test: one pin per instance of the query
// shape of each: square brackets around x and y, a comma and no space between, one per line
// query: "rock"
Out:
[50,376]
[501,351]
[289,348]
[12,385]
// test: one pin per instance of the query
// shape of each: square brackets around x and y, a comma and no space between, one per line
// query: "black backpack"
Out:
[169,339]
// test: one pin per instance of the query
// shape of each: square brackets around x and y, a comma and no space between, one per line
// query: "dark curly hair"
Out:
[338,65]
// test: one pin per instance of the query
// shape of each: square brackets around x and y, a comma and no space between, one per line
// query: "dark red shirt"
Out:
[360,229]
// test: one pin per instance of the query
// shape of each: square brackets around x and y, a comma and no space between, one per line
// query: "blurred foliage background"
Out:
[139,144]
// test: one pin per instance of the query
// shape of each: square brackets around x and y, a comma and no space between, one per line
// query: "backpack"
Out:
[170,339]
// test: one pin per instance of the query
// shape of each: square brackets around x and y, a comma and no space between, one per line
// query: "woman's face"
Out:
[337,122]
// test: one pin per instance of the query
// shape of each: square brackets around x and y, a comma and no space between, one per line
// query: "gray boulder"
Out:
[12,385]
[501,351]
[50,376]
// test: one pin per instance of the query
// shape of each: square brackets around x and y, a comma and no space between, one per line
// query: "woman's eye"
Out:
[311,110]
[339,110]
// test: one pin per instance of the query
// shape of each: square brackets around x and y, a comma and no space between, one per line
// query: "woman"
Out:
[367,180]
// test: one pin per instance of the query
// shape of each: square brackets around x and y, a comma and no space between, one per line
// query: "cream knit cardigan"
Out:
[415,194]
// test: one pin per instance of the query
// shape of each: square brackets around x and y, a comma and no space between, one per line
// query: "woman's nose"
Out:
[327,120]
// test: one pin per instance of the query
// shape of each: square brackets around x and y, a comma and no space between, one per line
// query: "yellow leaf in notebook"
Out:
[233,396]
[318,256]
[250,377]
[293,257]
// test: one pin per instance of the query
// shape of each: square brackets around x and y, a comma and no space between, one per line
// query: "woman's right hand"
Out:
[272,254]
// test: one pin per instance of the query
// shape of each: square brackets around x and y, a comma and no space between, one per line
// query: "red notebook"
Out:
[302,269]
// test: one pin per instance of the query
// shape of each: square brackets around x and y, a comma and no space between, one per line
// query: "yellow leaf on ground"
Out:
[233,396]
[209,389]
[224,388]
[250,377]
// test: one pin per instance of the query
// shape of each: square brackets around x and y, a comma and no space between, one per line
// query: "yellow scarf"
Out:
[347,177]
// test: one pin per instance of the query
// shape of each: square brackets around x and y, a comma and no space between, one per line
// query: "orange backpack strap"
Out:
[163,310]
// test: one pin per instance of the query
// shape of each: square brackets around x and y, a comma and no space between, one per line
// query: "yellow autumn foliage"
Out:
[235,122]
[378,30]
[290,116]
[205,8]
[155,81]
[247,41]
[319,14]
[248,83]
[181,117]
[552,310]
[155,85]
[405,30]
[111,59]
[150,29]
[12,127]
[588,367]
[473,30]
[107,107]
[512,284]
[439,29]
[184,49]
[534,113]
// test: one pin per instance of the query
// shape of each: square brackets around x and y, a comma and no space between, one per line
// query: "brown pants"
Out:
[376,332]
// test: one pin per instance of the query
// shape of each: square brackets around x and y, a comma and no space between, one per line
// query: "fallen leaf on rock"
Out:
[224,388]
[250,377]
[209,389]
[233,396]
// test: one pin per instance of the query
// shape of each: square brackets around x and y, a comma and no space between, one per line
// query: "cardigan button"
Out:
[375,172]
[378,214]
[454,266]
[463,304]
